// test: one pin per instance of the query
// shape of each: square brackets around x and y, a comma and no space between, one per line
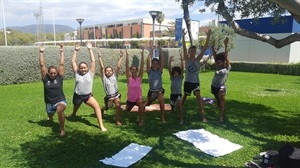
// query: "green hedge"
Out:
[284,69]
[20,64]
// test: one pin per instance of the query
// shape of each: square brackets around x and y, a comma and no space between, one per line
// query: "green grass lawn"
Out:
[262,113]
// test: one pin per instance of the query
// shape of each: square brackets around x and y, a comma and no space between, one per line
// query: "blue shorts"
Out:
[51,108]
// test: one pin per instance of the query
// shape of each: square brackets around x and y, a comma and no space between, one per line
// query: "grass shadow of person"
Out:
[81,119]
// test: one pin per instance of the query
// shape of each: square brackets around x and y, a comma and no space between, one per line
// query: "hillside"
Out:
[48,28]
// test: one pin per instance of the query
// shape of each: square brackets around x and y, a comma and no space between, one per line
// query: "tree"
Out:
[160,18]
[256,9]
[185,4]
[171,29]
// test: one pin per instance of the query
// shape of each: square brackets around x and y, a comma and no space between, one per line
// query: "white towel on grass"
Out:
[207,142]
[127,156]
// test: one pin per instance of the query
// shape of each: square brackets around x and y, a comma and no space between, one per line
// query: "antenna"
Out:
[40,28]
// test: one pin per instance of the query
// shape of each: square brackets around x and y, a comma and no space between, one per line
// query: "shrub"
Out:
[20,64]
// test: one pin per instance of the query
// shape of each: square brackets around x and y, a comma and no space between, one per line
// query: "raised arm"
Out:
[119,63]
[61,70]
[226,52]
[170,65]
[181,65]
[161,59]
[101,64]
[92,57]
[41,61]
[141,72]
[127,71]
[200,56]
[74,65]
[185,53]
[149,59]
[214,52]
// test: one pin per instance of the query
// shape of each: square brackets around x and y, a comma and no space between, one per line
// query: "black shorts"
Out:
[78,99]
[130,105]
[152,95]
[174,98]
[109,98]
[189,87]
[215,90]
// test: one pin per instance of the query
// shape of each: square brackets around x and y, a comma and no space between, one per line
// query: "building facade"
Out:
[137,28]
[251,50]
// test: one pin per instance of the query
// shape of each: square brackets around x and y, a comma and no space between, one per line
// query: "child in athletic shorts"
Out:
[156,90]
[84,77]
[218,88]
[54,96]
[192,66]
[109,79]
[134,84]
[176,77]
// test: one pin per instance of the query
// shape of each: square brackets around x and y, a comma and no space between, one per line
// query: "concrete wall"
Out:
[250,50]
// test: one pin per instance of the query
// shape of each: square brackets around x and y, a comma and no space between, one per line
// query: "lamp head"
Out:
[80,20]
[154,13]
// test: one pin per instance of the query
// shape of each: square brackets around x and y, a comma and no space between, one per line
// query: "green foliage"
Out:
[135,44]
[20,64]
[262,113]
[284,69]
[16,38]
[219,33]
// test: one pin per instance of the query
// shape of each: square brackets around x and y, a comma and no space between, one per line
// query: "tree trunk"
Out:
[187,19]
[261,37]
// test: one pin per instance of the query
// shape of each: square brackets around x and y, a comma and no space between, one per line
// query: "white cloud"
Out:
[21,12]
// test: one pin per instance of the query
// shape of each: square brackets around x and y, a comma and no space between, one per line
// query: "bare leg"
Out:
[61,117]
[94,104]
[50,117]
[183,99]
[75,109]
[118,109]
[199,100]
[141,111]
[180,111]
[161,100]
[222,104]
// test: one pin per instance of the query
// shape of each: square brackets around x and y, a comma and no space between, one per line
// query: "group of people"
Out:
[84,74]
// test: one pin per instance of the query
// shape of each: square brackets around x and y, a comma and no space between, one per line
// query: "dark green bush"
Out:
[284,69]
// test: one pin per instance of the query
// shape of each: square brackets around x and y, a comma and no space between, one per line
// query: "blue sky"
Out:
[65,12]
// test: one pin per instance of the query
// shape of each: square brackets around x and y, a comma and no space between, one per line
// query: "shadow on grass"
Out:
[79,118]
[81,149]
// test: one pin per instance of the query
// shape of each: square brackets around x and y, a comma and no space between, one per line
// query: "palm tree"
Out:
[160,18]
[185,4]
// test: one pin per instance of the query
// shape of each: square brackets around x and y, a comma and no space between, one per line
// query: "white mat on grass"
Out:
[207,142]
[127,156]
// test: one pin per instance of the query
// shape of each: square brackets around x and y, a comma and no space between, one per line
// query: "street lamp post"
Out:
[153,15]
[80,20]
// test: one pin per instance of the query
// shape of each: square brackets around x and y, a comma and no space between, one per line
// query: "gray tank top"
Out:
[110,84]
[220,76]
[176,85]
[155,79]
[192,71]
[84,83]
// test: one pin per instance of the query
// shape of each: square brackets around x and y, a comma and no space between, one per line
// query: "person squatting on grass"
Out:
[84,77]
[192,65]
[156,90]
[134,85]
[176,77]
[218,88]
[109,79]
[53,88]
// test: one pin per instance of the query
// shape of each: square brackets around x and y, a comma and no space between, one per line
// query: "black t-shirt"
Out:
[53,89]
